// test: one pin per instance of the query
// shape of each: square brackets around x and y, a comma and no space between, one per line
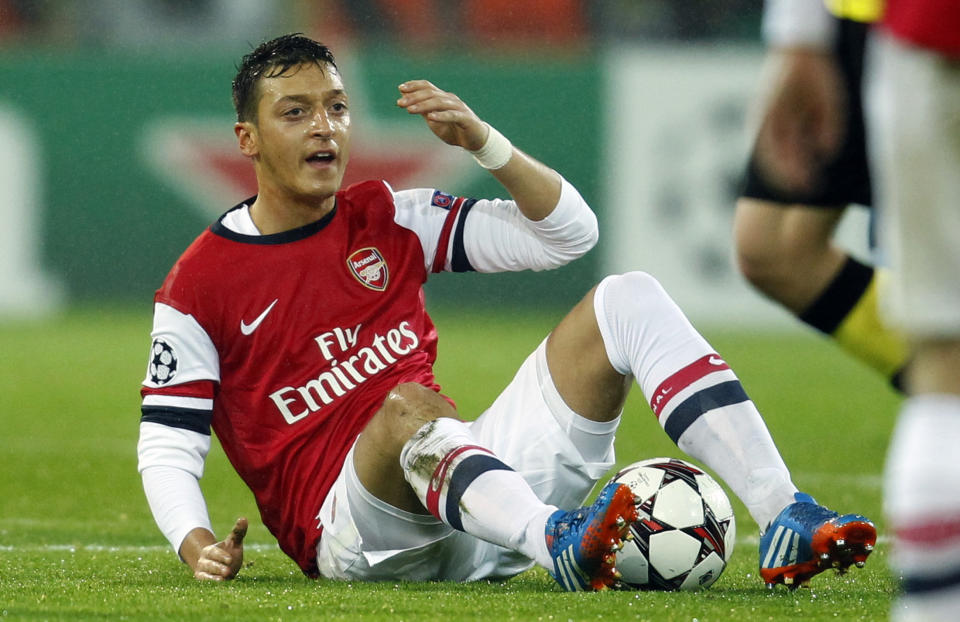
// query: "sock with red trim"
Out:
[470,489]
[696,397]
[922,504]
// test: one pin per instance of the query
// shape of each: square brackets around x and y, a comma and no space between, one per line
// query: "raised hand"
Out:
[446,115]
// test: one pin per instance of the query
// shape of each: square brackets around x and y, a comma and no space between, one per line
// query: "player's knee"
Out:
[634,295]
[635,286]
[755,267]
[407,408]
[762,252]
[756,261]
[771,265]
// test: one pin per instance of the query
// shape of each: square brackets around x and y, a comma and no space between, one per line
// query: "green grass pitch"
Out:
[77,540]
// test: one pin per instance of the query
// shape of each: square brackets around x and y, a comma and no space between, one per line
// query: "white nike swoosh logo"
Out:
[248,329]
[713,360]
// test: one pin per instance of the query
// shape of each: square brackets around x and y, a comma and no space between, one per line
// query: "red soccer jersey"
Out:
[933,24]
[312,328]
[287,344]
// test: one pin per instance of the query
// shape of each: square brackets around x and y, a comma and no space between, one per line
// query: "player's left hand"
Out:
[222,560]
[446,115]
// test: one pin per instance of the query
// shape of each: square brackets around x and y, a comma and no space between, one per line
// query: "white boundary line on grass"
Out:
[97,548]
[751,540]
[808,478]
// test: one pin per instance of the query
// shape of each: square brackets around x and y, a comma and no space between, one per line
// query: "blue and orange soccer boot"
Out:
[583,542]
[806,538]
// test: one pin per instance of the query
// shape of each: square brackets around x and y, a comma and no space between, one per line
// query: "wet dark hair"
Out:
[271,59]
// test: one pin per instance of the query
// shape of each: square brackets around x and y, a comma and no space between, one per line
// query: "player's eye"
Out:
[294,112]
[339,107]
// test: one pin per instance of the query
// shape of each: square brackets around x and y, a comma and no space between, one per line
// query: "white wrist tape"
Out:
[495,153]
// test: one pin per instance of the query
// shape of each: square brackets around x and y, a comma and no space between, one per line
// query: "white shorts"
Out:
[369,540]
[912,105]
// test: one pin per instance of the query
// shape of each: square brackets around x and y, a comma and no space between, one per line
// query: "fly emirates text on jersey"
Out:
[295,403]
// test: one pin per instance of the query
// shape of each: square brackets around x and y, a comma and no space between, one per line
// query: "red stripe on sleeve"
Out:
[204,389]
[441,257]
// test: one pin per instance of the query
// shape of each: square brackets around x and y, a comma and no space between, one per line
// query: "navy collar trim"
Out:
[283,237]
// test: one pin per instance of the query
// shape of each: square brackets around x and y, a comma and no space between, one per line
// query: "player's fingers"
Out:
[206,576]
[239,532]
[202,576]
[212,569]
[418,95]
[429,103]
[413,85]
[215,556]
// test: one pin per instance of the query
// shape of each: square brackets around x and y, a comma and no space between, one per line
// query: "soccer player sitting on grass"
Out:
[295,328]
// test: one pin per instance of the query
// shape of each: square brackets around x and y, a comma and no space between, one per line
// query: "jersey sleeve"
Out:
[177,406]
[177,393]
[170,465]
[182,373]
[492,235]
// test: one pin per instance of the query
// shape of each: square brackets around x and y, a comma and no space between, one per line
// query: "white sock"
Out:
[467,487]
[695,395]
[922,504]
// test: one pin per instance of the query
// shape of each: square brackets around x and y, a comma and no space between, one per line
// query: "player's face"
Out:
[300,139]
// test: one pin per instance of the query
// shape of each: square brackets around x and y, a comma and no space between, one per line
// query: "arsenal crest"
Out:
[368,266]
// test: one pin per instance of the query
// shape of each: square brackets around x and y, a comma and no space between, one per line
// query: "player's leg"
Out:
[786,251]
[629,327]
[788,254]
[560,453]
[913,102]
[784,241]
[417,454]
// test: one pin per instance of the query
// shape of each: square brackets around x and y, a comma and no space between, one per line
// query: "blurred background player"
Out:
[913,105]
[809,163]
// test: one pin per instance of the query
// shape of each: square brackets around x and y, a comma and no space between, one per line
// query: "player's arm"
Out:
[178,507]
[174,442]
[546,224]
[534,186]
[802,114]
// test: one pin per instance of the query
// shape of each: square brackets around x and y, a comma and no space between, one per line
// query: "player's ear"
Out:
[247,137]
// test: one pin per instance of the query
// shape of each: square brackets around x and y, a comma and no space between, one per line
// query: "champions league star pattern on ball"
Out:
[685,532]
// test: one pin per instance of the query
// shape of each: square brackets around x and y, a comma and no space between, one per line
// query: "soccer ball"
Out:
[685,531]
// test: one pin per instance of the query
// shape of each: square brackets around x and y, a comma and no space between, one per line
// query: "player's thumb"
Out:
[239,532]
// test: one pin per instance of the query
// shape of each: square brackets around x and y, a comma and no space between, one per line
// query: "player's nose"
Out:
[320,124]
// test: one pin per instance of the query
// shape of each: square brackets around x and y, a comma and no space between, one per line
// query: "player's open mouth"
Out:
[321,157]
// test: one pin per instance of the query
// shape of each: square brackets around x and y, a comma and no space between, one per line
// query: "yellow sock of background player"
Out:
[847,310]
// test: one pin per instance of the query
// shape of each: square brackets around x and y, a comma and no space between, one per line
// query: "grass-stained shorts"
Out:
[367,539]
